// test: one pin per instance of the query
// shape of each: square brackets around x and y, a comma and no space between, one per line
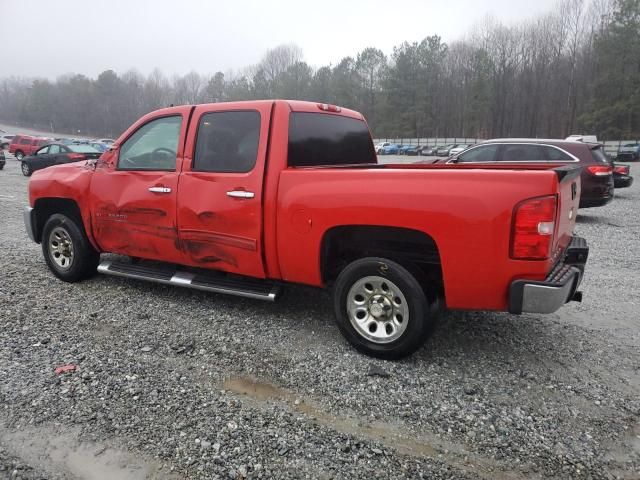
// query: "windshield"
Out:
[82,149]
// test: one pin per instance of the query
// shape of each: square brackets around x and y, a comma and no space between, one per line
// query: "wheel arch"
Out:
[414,249]
[44,208]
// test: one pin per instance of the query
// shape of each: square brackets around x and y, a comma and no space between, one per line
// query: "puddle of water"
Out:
[64,454]
[386,434]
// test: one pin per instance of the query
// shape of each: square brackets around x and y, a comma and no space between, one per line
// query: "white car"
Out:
[380,146]
[459,149]
[5,140]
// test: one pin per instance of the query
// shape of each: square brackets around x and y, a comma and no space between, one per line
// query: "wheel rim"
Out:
[377,309]
[25,169]
[61,248]
[19,156]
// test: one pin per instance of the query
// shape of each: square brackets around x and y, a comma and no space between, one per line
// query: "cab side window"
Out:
[227,142]
[153,146]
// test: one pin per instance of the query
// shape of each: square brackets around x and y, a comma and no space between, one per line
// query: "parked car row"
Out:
[36,153]
[386,148]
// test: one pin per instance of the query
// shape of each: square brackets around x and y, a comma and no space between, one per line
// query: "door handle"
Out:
[240,194]
[160,189]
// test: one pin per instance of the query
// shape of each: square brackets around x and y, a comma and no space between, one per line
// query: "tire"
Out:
[402,317]
[26,169]
[19,155]
[1,166]
[63,238]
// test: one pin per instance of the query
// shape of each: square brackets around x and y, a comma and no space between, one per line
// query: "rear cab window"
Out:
[321,139]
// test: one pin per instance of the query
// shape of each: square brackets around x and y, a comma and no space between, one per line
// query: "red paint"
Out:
[277,234]
[70,368]
[27,144]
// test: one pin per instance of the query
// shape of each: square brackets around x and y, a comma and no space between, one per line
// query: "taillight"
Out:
[534,223]
[621,169]
[76,157]
[328,108]
[600,170]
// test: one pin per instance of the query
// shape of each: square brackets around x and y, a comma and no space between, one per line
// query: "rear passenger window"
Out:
[227,142]
[599,156]
[324,139]
[556,155]
[523,153]
[484,153]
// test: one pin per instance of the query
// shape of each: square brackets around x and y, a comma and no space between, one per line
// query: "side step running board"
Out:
[250,288]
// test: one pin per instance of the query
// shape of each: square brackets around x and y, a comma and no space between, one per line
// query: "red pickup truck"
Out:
[244,197]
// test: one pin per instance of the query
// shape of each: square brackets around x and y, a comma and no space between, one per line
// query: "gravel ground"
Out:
[173,383]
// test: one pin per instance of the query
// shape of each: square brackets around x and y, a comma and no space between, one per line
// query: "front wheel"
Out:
[381,308]
[26,169]
[19,155]
[67,250]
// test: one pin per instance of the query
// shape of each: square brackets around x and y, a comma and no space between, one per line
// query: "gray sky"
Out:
[54,37]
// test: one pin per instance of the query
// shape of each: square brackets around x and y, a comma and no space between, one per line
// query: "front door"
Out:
[220,192]
[134,190]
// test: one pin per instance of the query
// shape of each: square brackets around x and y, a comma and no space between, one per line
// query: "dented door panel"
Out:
[220,213]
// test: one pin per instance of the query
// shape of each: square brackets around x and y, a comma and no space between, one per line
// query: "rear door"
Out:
[134,190]
[220,193]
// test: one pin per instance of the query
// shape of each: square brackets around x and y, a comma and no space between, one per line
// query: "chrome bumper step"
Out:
[242,287]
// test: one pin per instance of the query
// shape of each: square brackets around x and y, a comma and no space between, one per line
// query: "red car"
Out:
[23,145]
[244,197]
[597,170]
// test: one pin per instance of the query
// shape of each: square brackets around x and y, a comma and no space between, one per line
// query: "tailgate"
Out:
[568,202]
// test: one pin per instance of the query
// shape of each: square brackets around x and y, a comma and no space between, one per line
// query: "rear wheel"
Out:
[381,308]
[67,250]
[26,169]
[19,155]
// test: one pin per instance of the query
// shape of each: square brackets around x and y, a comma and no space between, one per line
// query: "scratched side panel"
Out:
[130,220]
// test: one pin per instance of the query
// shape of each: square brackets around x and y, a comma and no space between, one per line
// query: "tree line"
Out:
[575,69]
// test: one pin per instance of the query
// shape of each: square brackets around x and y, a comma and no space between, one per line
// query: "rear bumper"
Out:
[595,202]
[622,181]
[560,286]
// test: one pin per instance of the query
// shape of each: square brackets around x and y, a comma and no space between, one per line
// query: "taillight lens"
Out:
[621,169]
[600,170]
[534,223]
[76,157]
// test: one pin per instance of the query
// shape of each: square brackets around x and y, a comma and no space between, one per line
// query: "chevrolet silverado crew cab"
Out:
[245,197]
